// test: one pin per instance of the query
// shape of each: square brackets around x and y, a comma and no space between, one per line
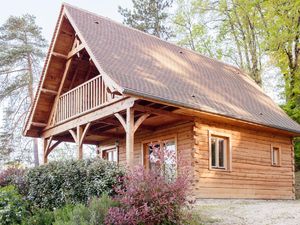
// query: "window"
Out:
[110,154]
[156,152]
[275,156]
[219,151]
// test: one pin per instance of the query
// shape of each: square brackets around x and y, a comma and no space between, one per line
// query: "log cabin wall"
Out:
[252,175]
[183,133]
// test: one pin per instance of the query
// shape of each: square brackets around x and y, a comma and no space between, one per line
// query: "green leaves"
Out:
[149,16]
[13,209]
[58,183]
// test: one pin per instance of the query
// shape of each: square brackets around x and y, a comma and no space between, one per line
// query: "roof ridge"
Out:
[152,36]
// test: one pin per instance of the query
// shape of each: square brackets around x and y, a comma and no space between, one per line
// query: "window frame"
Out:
[228,151]
[279,155]
[109,148]
[159,139]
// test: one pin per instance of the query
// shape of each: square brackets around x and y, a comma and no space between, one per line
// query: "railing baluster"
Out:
[82,98]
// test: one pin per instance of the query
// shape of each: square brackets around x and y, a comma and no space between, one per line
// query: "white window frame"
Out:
[110,148]
[227,151]
[272,155]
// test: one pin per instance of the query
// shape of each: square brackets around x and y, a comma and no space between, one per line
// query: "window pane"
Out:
[275,156]
[170,160]
[221,152]
[115,156]
[110,158]
[154,151]
[213,151]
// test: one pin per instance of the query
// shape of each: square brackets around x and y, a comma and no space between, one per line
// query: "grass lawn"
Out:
[298,185]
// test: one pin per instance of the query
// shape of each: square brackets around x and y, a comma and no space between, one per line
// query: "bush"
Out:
[13,176]
[148,198]
[93,214]
[13,209]
[56,184]
[40,217]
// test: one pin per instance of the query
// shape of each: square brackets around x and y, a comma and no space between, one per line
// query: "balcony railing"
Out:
[85,97]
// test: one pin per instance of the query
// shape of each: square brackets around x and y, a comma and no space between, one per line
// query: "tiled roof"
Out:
[145,65]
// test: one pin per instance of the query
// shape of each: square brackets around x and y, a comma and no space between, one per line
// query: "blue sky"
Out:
[46,11]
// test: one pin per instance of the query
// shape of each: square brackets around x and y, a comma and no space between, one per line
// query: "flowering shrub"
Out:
[13,176]
[147,197]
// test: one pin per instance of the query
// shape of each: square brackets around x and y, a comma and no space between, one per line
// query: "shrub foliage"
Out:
[147,197]
[13,209]
[56,184]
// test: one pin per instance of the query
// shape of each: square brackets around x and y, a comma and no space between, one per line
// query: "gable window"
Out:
[162,156]
[219,151]
[110,154]
[275,156]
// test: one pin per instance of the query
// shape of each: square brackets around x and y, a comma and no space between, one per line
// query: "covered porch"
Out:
[117,119]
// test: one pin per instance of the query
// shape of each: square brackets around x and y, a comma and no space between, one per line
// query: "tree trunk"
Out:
[30,93]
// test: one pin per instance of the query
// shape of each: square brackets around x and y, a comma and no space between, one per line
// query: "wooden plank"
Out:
[38,124]
[155,111]
[54,108]
[59,55]
[139,121]
[109,109]
[48,91]
[122,120]
[75,51]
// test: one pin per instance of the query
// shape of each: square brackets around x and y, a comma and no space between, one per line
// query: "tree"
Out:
[191,28]
[149,16]
[280,21]
[226,29]
[21,50]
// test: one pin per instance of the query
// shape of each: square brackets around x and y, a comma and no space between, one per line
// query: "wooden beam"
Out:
[38,124]
[122,120]
[71,140]
[48,91]
[140,120]
[162,112]
[59,55]
[105,111]
[75,50]
[74,135]
[54,108]
[84,133]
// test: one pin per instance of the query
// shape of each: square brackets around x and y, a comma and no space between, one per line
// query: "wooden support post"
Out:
[129,136]
[78,137]
[48,147]
[79,145]
[130,127]
[45,148]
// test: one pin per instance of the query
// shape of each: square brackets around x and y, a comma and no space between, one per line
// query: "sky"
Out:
[46,11]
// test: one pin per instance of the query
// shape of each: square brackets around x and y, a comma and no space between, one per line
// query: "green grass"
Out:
[297,185]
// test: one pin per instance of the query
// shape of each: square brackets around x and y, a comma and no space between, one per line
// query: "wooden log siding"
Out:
[252,175]
[85,97]
[183,133]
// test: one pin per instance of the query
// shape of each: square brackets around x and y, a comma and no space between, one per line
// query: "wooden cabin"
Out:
[132,94]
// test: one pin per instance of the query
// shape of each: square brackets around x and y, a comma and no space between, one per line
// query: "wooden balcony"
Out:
[84,98]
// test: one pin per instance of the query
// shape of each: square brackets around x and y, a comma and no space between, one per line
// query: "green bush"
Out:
[13,209]
[56,184]
[40,217]
[92,214]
